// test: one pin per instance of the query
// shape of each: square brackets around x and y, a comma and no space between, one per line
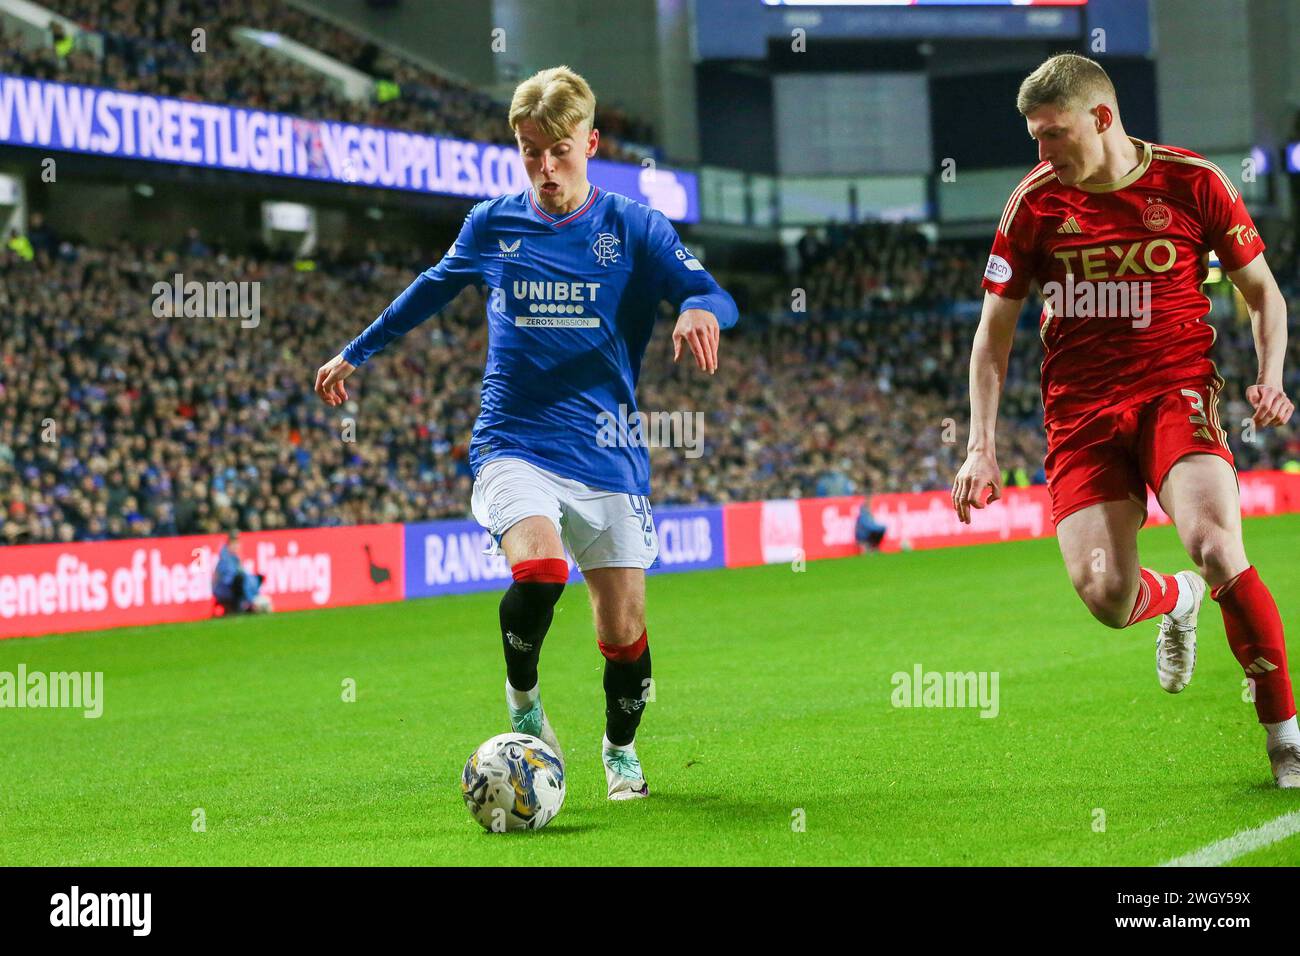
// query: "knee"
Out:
[1215,551]
[1109,598]
[619,628]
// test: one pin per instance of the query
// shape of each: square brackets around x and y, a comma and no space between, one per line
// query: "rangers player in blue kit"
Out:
[575,275]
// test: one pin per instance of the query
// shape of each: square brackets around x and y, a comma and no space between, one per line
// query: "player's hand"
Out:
[329,380]
[698,328]
[1271,405]
[978,483]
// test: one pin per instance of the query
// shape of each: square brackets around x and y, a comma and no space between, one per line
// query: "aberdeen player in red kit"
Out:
[1115,232]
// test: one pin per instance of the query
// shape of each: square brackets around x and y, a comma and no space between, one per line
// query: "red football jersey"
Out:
[1127,260]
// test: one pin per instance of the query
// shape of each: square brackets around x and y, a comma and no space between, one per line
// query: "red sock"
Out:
[1255,636]
[1157,594]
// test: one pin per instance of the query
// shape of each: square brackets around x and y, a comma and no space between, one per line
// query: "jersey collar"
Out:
[545,216]
[1130,178]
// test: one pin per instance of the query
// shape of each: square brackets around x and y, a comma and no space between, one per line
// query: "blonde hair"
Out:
[556,100]
[1066,81]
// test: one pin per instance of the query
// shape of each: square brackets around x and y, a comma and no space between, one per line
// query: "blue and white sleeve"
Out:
[432,289]
[682,278]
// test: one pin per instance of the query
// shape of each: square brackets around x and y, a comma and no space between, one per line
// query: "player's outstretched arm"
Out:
[329,380]
[427,294]
[979,481]
[1267,307]
[699,329]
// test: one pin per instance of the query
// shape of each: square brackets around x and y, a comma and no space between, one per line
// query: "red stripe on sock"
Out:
[542,570]
[1157,594]
[624,653]
[1254,630]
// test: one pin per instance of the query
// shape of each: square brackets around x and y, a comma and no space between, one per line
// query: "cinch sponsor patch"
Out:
[998,269]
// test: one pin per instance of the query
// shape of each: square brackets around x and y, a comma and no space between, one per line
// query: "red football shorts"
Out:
[1115,451]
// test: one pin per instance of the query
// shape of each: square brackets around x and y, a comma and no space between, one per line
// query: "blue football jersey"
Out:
[571,303]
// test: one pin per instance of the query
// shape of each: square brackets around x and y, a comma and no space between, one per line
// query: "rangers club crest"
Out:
[606,248]
[1157,215]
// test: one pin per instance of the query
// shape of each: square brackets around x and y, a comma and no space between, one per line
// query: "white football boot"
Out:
[1285,760]
[1176,641]
[623,771]
[533,721]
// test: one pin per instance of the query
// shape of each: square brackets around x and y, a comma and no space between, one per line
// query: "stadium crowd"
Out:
[118,422]
[149,47]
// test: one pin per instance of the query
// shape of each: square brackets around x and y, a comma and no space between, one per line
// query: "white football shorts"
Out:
[602,529]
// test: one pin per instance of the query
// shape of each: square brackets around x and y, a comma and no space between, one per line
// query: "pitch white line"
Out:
[1239,844]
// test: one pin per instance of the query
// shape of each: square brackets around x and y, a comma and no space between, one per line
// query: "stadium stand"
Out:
[109,428]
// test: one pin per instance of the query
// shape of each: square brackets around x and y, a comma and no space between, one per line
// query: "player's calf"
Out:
[627,688]
[1254,630]
[527,609]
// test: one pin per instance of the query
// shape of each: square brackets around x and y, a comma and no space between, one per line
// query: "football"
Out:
[513,782]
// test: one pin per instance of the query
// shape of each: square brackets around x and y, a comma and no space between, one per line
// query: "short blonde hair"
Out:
[556,100]
[1066,81]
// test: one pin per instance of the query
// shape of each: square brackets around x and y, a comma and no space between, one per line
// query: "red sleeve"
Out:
[1228,226]
[1011,262]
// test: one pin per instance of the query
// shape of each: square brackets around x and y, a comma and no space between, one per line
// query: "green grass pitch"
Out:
[773,705]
